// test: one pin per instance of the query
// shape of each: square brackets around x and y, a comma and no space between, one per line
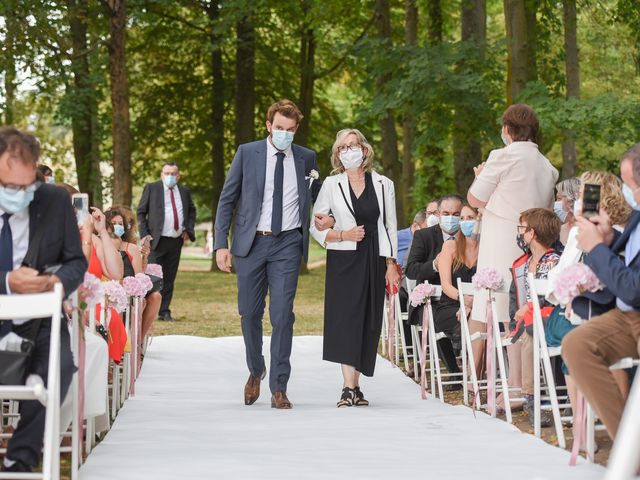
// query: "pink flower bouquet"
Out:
[421,293]
[488,278]
[116,296]
[91,291]
[154,269]
[137,286]
[573,281]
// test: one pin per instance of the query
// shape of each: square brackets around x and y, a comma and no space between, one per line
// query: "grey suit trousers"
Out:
[273,264]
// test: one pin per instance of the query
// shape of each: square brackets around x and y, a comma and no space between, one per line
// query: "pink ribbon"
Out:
[82,357]
[579,427]
[423,359]
[489,356]
[391,329]
[135,354]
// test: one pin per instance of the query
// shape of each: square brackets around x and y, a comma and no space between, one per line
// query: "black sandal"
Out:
[347,398]
[359,400]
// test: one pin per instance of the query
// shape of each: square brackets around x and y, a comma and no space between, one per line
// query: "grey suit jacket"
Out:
[243,192]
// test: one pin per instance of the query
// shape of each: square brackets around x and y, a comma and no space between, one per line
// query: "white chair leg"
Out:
[385,323]
[433,346]
[417,351]
[591,434]
[499,352]
[400,340]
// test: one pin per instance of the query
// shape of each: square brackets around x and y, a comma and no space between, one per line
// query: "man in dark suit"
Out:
[166,213]
[422,264]
[593,347]
[30,210]
[267,188]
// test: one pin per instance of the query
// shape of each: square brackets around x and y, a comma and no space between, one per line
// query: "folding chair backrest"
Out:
[20,307]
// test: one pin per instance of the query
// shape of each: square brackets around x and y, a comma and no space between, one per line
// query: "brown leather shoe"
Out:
[280,401]
[252,388]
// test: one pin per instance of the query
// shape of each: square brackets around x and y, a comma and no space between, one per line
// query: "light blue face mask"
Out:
[629,196]
[51,180]
[450,224]
[170,181]
[559,210]
[14,201]
[118,230]
[467,226]
[281,139]
[504,138]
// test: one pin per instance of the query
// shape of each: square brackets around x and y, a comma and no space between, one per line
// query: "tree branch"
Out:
[180,20]
[342,59]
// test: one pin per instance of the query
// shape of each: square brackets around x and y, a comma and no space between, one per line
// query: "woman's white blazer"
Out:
[335,198]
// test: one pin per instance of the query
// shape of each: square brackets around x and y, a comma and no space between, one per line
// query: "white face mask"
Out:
[505,140]
[433,220]
[351,158]
[577,208]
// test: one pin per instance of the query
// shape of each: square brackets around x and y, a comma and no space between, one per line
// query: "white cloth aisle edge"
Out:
[188,421]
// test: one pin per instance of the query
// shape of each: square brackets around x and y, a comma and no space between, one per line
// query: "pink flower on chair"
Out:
[137,286]
[116,295]
[154,269]
[145,283]
[573,281]
[421,292]
[91,290]
[488,278]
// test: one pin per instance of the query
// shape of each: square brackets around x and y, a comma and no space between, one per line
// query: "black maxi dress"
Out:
[354,291]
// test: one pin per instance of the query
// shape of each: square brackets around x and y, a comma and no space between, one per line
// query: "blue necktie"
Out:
[278,181]
[6,245]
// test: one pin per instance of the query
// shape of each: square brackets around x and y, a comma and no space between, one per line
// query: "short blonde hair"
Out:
[335,156]
[611,198]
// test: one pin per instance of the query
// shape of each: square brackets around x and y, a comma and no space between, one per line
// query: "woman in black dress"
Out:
[458,259]
[362,246]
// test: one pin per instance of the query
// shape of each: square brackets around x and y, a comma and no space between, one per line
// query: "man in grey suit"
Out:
[267,188]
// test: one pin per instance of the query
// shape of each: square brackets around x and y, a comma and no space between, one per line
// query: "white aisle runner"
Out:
[188,421]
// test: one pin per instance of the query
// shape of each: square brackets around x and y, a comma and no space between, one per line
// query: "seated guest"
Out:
[538,230]
[433,217]
[123,224]
[457,261]
[29,210]
[46,173]
[591,348]
[427,243]
[405,236]
[567,192]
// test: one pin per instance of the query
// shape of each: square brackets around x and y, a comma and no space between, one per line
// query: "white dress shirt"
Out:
[19,223]
[167,227]
[290,208]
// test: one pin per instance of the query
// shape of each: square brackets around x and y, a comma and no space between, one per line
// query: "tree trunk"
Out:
[408,123]
[89,178]
[520,20]
[120,124]
[307,74]
[245,80]
[9,65]
[217,110]
[434,26]
[467,152]
[389,137]
[572,67]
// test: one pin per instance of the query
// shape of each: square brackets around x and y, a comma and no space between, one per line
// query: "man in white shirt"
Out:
[167,214]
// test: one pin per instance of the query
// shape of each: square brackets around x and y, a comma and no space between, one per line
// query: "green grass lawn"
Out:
[205,303]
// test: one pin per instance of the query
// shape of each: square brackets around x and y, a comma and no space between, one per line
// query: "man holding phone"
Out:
[166,213]
[29,212]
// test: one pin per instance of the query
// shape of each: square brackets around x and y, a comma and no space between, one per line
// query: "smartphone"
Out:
[80,203]
[590,200]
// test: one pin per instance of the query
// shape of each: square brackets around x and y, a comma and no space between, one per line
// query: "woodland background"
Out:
[113,88]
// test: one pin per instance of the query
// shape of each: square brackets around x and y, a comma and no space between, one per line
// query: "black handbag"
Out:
[15,365]
[157,282]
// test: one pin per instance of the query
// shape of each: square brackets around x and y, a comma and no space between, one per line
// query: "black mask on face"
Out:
[522,244]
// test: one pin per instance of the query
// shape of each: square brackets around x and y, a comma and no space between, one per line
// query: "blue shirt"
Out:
[405,237]
[631,249]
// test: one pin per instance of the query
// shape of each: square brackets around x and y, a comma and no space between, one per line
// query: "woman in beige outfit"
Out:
[513,179]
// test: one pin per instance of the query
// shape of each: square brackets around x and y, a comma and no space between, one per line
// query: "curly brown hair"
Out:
[611,198]
[129,219]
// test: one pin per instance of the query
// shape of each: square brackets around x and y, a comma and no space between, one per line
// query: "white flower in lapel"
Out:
[313,175]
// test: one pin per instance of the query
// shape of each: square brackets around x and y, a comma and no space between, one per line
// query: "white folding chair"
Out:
[40,306]
[624,460]
[468,359]
[541,353]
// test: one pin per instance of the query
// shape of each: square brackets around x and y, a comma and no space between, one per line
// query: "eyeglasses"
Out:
[524,228]
[14,189]
[345,148]
[432,212]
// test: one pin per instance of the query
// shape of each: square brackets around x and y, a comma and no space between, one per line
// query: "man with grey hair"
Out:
[405,236]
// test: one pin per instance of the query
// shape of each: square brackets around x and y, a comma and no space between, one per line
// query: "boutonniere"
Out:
[313,175]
